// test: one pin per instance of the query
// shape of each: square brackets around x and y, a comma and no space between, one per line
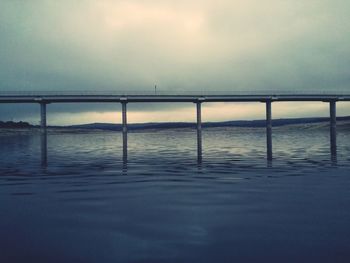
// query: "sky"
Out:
[180,46]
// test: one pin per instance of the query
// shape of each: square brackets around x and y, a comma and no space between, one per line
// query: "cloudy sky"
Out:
[192,45]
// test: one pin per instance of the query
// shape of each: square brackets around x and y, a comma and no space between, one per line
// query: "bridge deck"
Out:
[40,98]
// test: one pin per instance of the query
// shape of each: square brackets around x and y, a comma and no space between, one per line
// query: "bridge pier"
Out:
[43,116]
[125,132]
[333,127]
[269,130]
[199,130]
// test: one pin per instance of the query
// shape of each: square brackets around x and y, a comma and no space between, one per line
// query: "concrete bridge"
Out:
[45,98]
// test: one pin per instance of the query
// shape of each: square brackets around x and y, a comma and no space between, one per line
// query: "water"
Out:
[84,204]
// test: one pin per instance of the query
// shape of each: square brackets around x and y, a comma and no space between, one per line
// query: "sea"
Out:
[75,196]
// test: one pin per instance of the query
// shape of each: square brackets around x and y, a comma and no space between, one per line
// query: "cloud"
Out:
[179,45]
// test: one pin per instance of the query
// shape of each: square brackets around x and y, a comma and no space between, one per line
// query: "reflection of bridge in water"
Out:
[45,98]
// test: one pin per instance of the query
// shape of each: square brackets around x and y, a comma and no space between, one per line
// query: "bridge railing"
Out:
[170,92]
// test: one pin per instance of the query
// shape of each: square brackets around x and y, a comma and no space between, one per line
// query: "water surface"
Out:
[82,202]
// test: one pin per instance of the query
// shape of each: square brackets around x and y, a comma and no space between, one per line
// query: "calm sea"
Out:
[80,202]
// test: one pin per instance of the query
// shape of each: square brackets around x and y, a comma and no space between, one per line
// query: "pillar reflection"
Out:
[269,164]
[199,132]
[43,144]
[334,160]
[125,155]
[269,130]
[199,157]
[125,136]
[333,128]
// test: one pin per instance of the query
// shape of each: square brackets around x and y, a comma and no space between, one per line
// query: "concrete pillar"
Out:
[269,130]
[199,130]
[333,127]
[43,116]
[125,132]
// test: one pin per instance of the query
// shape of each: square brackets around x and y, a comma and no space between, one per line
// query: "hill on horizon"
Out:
[173,125]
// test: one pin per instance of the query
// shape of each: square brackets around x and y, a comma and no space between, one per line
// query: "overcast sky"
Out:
[207,45]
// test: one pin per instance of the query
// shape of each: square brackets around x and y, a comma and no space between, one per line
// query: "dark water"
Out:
[86,205]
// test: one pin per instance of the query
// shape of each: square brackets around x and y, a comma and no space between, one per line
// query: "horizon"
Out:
[310,118]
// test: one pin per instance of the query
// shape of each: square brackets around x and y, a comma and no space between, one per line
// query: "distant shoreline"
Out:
[177,125]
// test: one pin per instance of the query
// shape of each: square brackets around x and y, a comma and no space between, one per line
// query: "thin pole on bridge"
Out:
[333,127]
[269,130]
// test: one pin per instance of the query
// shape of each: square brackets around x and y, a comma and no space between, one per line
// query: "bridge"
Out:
[45,98]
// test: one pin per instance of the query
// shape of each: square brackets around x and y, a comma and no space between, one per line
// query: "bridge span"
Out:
[45,98]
